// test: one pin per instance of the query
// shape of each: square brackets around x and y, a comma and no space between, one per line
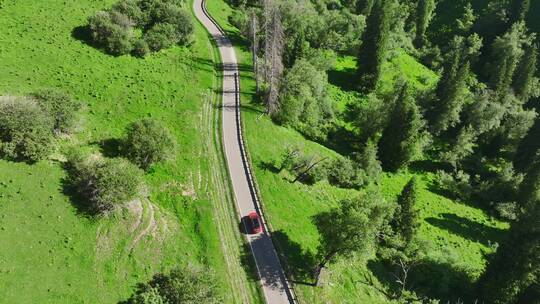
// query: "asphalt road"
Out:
[268,265]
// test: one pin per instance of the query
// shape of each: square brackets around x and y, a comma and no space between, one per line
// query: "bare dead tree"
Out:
[273,55]
[253,34]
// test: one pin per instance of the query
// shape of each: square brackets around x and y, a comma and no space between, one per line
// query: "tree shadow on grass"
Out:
[299,263]
[343,79]
[427,165]
[82,206]
[110,147]
[430,279]
[269,166]
[468,229]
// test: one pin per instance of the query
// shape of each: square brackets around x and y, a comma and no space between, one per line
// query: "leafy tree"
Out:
[424,14]
[402,137]
[148,142]
[25,129]
[166,13]
[304,102]
[368,117]
[344,173]
[160,36]
[374,45]
[352,227]
[406,218]
[60,106]
[105,183]
[190,285]
[131,9]
[516,264]
[451,91]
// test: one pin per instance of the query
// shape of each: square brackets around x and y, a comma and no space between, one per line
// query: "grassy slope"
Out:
[52,254]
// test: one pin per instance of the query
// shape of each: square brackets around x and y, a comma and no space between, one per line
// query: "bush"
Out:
[61,107]
[148,142]
[181,285]
[163,23]
[25,129]
[104,183]
[141,48]
[343,172]
[131,9]
[457,184]
[160,36]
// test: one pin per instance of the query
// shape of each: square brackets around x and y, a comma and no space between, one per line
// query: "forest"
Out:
[470,122]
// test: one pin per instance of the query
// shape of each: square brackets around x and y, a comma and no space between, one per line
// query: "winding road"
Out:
[274,284]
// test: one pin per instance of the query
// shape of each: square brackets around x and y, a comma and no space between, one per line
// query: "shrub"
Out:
[181,285]
[25,129]
[141,48]
[147,142]
[163,23]
[120,41]
[104,183]
[160,36]
[61,107]
[131,9]
[457,184]
[344,173]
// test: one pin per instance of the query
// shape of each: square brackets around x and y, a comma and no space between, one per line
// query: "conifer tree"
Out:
[406,217]
[450,92]
[519,10]
[516,265]
[528,147]
[506,52]
[374,45]
[424,14]
[401,137]
[524,80]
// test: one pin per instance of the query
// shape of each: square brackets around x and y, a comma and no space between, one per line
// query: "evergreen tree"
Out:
[525,81]
[528,148]
[369,162]
[516,265]
[506,52]
[364,7]
[519,10]
[405,222]
[424,14]
[451,90]
[401,137]
[374,45]
[466,22]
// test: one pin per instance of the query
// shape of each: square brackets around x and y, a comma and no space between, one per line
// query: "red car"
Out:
[255,222]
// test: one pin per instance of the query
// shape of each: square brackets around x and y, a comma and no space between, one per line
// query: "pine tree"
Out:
[401,137]
[451,90]
[524,79]
[424,14]
[374,45]
[406,218]
[516,265]
[528,147]
[506,52]
[519,10]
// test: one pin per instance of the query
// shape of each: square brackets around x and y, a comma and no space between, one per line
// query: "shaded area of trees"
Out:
[188,284]
[141,26]
[29,124]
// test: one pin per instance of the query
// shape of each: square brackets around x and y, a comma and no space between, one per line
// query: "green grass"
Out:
[459,232]
[50,252]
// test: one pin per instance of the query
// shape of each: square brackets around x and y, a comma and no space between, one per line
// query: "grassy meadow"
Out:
[50,251]
[460,234]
